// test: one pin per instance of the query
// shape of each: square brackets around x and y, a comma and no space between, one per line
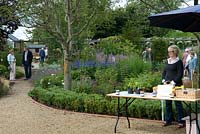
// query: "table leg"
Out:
[118,113]
[196,112]
[127,114]
[190,116]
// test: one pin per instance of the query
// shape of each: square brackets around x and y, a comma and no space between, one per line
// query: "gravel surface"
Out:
[19,114]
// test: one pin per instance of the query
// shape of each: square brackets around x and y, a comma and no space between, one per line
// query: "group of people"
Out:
[27,58]
[173,73]
[190,63]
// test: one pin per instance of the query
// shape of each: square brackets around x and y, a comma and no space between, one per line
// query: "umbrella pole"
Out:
[192,78]
[198,57]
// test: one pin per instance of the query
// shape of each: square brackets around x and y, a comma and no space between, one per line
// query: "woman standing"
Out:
[12,64]
[173,74]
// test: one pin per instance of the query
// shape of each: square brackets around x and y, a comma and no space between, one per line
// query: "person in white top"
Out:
[46,52]
[12,64]
[188,58]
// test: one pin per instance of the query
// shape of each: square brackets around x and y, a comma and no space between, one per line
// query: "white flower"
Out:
[63,83]
[49,83]
[52,74]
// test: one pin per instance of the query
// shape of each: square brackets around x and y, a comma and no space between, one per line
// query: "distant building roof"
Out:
[13,38]
[33,46]
[94,41]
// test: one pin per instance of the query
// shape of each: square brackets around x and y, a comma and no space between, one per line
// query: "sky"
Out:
[21,33]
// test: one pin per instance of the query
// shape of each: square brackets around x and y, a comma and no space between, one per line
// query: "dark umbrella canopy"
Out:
[185,19]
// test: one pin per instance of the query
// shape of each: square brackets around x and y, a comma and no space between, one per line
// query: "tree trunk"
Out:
[67,72]
[67,51]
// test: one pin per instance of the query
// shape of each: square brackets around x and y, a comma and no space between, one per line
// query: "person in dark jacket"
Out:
[173,74]
[27,61]
[42,56]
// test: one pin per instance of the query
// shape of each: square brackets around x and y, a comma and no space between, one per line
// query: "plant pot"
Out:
[130,91]
[137,91]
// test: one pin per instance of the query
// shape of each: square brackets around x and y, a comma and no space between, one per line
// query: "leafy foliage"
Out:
[106,80]
[88,53]
[3,69]
[159,49]
[116,45]
[145,81]
[54,80]
[9,20]
[131,66]
[84,85]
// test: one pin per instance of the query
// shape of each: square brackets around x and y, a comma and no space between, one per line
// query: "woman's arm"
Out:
[163,75]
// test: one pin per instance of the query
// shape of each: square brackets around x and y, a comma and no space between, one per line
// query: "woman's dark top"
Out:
[174,72]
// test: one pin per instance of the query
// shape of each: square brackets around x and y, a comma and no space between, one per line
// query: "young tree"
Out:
[65,20]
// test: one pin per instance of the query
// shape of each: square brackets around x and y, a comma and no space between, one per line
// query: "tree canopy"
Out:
[9,20]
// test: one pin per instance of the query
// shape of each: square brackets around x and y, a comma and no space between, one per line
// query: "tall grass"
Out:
[131,67]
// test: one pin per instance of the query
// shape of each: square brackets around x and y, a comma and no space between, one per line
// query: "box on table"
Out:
[194,129]
[164,90]
[188,93]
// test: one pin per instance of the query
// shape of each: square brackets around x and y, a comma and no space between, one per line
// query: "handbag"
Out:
[187,82]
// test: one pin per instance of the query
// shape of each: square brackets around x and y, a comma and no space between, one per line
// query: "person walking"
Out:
[173,74]
[12,64]
[42,56]
[187,61]
[27,61]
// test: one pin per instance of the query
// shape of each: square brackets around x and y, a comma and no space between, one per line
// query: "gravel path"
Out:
[19,114]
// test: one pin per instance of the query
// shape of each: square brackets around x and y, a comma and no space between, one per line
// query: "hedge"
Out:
[93,103]
[97,104]
[4,86]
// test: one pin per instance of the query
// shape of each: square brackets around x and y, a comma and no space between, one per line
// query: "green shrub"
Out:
[150,109]
[3,70]
[88,53]
[84,85]
[159,49]
[53,80]
[4,86]
[58,100]
[132,66]
[106,80]
[145,81]
[3,58]
[94,103]
[115,45]
[19,73]
[83,71]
